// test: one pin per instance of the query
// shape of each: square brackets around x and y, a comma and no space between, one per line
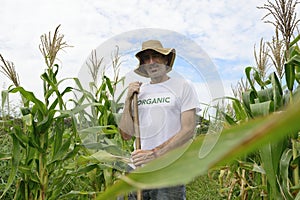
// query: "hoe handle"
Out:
[137,133]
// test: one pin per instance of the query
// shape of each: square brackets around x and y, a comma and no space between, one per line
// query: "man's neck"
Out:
[159,79]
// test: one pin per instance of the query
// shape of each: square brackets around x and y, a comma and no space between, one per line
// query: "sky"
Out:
[225,32]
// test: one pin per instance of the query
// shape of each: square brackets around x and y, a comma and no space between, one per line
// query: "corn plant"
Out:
[233,143]
[98,127]
[43,146]
[265,170]
[276,159]
[65,153]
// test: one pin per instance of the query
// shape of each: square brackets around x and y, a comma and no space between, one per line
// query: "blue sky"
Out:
[226,31]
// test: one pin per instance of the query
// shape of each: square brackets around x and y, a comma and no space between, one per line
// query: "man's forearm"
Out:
[184,135]
[176,141]
[126,123]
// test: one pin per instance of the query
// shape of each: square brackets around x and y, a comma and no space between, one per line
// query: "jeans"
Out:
[169,193]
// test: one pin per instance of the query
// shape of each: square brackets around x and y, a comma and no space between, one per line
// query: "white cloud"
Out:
[226,30]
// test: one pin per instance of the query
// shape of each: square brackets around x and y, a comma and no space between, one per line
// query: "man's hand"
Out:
[126,125]
[132,88]
[141,157]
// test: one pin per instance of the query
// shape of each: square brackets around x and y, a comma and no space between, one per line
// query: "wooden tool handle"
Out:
[137,133]
[136,122]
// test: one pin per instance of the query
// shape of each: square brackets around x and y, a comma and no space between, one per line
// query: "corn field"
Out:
[54,151]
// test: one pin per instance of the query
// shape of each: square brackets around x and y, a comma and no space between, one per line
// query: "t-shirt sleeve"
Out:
[189,98]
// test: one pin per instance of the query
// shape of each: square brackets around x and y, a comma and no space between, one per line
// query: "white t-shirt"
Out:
[160,106]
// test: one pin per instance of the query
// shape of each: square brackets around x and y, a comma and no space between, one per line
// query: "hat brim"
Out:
[170,52]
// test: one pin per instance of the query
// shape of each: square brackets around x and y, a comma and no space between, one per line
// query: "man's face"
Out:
[150,56]
[154,63]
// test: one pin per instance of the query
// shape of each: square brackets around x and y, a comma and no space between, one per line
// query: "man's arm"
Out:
[186,133]
[126,125]
[188,123]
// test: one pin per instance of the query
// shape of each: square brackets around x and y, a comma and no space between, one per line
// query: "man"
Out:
[166,108]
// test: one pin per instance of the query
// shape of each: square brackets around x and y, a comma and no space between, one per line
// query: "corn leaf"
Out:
[16,157]
[265,95]
[289,75]
[261,109]
[248,76]
[284,171]
[172,168]
[277,92]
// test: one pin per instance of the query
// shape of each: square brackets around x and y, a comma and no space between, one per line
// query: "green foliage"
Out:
[264,169]
[41,148]
[256,103]
[5,144]
[233,143]
[203,188]
[279,160]
[55,152]
[108,155]
[202,125]
[59,152]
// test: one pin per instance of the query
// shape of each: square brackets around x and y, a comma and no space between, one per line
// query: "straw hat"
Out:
[156,46]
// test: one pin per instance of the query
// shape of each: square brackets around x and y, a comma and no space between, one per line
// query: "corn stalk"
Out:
[41,149]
